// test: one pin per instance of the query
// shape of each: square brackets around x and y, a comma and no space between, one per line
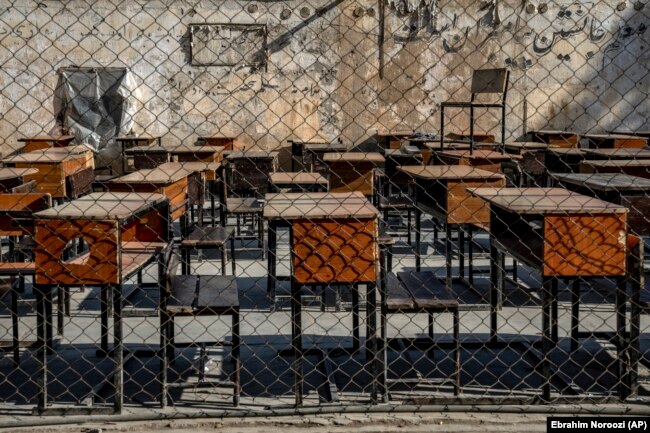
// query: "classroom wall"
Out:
[330,73]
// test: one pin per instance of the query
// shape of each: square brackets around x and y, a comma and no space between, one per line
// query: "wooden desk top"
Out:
[121,196]
[51,155]
[13,173]
[92,207]
[166,173]
[399,153]
[450,172]
[540,201]
[290,178]
[298,205]
[374,157]
[325,147]
[252,154]
[225,137]
[608,136]
[48,137]
[395,134]
[618,163]
[619,153]
[191,149]
[526,145]
[146,149]
[553,132]
[198,166]
[477,154]
[138,138]
[565,150]
[639,133]
[617,182]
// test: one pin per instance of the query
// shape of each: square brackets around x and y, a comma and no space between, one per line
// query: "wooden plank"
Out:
[463,207]
[633,167]
[618,153]
[566,139]
[334,251]
[182,298]
[427,291]
[615,182]
[164,174]
[252,154]
[298,178]
[450,172]
[638,218]
[585,245]
[208,237]
[100,266]
[545,201]
[349,176]
[292,206]
[15,173]
[217,293]
[616,141]
[228,143]
[397,297]
[480,137]
[149,227]
[373,157]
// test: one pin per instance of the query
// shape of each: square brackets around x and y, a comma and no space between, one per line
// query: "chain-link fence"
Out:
[247,206]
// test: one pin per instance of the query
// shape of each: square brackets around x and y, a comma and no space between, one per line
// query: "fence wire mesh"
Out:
[208,204]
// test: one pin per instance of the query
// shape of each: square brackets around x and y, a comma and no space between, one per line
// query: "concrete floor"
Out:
[487,372]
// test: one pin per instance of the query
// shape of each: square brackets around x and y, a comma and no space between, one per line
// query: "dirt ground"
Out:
[341,423]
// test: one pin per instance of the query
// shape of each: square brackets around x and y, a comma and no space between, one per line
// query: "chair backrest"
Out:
[25,188]
[80,183]
[490,81]
[250,175]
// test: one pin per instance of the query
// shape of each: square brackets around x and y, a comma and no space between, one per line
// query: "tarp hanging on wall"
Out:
[97,107]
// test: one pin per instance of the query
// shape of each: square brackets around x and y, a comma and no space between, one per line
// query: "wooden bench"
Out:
[419,292]
[193,296]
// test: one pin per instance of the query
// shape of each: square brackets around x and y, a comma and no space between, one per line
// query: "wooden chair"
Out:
[395,188]
[80,183]
[194,296]
[484,81]
[204,238]
[247,181]
[417,292]
[18,225]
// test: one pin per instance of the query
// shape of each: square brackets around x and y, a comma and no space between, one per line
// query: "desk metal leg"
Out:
[271,262]
[461,252]
[104,318]
[118,348]
[14,326]
[496,289]
[236,358]
[554,312]
[41,357]
[547,289]
[470,253]
[622,346]
[356,338]
[296,339]
[232,255]
[635,318]
[49,323]
[575,315]
[448,247]
[371,336]
[418,239]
